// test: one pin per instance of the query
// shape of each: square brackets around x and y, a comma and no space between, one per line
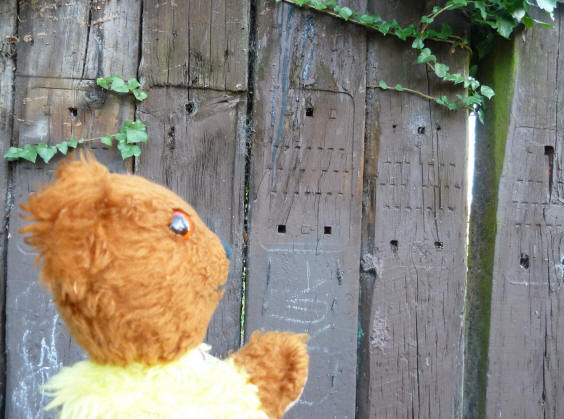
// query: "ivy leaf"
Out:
[128,150]
[417,44]
[102,82]
[133,84]
[481,115]
[370,19]
[139,95]
[384,27]
[441,70]
[383,84]
[398,87]
[119,86]
[455,4]
[518,14]
[404,33]
[544,24]
[528,22]
[63,147]
[13,153]
[319,5]
[443,100]
[548,5]
[427,19]
[82,140]
[505,26]
[481,6]
[29,153]
[107,140]
[425,56]
[487,91]
[135,132]
[300,2]
[73,142]
[344,12]
[46,152]
[452,106]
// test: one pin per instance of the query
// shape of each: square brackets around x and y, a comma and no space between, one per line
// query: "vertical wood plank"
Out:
[53,103]
[525,340]
[305,194]
[8,11]
[194,64]
[414,225]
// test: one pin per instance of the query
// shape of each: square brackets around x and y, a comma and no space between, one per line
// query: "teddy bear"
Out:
[136,275]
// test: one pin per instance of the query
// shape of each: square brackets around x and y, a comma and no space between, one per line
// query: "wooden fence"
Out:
[345,206]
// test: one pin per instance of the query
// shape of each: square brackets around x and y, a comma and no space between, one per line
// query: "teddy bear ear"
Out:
[67,204]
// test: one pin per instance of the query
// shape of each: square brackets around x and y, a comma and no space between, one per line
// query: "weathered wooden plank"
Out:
[193,54]
[525,340]
[414,224]
[196,43]
[198,150]
[52,104]
[305,194]
[8,11]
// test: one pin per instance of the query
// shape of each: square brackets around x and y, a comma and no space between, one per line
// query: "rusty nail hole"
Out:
[438,245]
[327,230]
[420,130]
[73,112]
[309,111]
[548,150]
[282,228]
[394,245]
[190,107]
[394,126]
[524,261]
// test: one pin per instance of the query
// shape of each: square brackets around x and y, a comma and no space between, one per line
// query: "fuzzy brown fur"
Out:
[278,365]
[132,290]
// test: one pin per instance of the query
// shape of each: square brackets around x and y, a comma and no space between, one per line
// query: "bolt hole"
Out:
[548,150]
[73,112]
[282,228]
[524,261]
[309,111]
[394,245]
[421,130]
[190,108]
[438,245]
[327,230]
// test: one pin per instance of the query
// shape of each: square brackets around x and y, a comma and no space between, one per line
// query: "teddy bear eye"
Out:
[181,224]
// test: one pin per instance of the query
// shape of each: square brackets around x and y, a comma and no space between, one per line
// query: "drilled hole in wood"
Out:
[190,108]
[309,111]
[548,150]
[73,112]
[438,127]
[394,126]
[394,245]
[327,230]
[282,228]
[421,130]
[438,245]
[524,261]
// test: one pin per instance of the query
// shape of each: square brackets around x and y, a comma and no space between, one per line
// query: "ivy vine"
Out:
[488,18]
[129,136]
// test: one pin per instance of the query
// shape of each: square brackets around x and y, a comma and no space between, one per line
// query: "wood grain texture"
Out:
[7,67]
[414,225]
[52,103]
[194,64]
[525,352]
[305,195]
[196,43]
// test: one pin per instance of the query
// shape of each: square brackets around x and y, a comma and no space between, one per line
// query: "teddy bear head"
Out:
[133,270]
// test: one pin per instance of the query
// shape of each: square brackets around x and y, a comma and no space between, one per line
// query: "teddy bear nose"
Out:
[227,248]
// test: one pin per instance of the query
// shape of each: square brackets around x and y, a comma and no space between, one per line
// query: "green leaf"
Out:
[548,5]
[63,147]
[300,2]
[417,44]
[106,139]
[82,140]
[383,84]
[135,132]
[73,142]
[29,153]
[481,115]
[425,56]
[128,150]
[370,19]
[13,153]
[319,5]
[481,6]
[46,152]
[443,100]
[344,12]
[452,106]
[404,33]
[487,91]
[540,22]
[505,27]
[133,84]
[456,4]
[139,95]
[119,86]
[441,70]
[528,22]
[102,82]
[427,19]
[518,14]
[398,87]
[120,136]
[384,27]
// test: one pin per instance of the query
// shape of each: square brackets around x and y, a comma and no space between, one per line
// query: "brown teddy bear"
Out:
[136,275]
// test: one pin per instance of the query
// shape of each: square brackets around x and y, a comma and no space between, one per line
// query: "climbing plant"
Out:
[127,139]
[489,18]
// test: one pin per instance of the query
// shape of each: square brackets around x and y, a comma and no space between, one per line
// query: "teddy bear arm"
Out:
[277,364]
